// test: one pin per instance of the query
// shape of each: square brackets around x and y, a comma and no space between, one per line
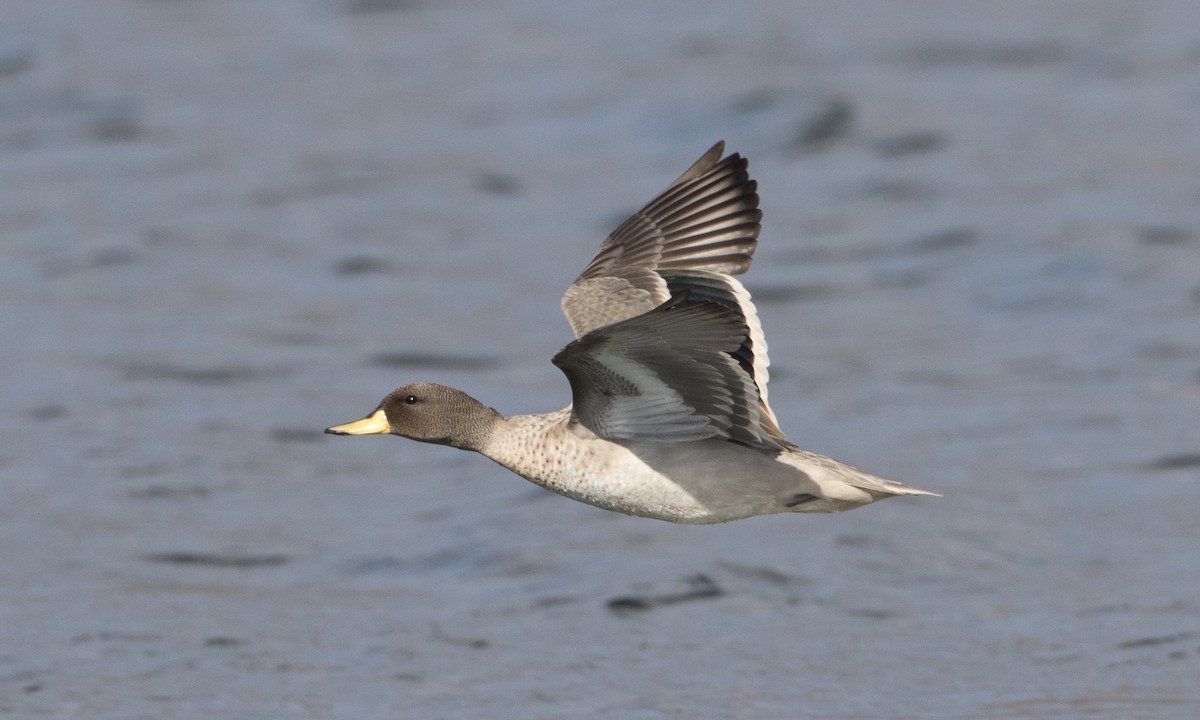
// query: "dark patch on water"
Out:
[754,101]
[555,601]
[1155,641]
[114,636]
[453,559]
[434,361]
[700,46]
[916,142]
[854,540]
[371,7]
[291,339]
[222,641]
[15,59]
[780,371]
[943,240]
[109,257]
[502,184]
[700,587]
[959,54]
[217,559]
[143,470]
[161,492]
[469,642]
[1166,349]
[381,564]
[47,412]
[871,613]
[217,375]
[1179,461]
[898,190]
[769,576]
[830,124]
[102,258]
[361,265]
[901,279]
[116,123]
[1165,235]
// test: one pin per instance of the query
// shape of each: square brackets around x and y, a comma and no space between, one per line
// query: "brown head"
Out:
[429,413]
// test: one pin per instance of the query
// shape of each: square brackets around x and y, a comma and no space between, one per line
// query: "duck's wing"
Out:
[671,374]
[751,355]
[707,220]
[693,236]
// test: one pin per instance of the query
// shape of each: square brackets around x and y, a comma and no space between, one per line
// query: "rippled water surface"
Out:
[227,225]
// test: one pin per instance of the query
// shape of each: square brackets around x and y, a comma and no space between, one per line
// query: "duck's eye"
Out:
[410,399]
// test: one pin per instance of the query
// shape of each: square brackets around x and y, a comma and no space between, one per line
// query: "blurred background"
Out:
[225,225]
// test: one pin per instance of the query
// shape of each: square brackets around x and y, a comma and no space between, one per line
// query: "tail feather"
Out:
[840,486]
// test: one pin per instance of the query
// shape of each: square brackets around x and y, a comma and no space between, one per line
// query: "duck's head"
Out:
[429,413]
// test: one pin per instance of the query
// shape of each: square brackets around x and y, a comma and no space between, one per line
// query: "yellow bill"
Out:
[374,424]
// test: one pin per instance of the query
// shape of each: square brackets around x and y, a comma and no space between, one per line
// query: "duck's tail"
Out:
[842,487]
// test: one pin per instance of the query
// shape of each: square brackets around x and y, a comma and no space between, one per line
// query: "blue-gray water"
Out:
[228,224]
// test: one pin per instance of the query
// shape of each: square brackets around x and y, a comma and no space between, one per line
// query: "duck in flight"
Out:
[668,372]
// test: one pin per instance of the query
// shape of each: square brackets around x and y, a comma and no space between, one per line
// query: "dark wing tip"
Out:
[706,162]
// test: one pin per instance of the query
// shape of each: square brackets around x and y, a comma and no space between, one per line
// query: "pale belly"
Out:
[706,481]
[698,482]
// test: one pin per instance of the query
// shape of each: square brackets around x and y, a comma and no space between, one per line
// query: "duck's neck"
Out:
[476,431]
[520,443]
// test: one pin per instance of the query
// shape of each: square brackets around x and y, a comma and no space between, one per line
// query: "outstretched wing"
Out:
[670,374]
[694,236]
[707,220]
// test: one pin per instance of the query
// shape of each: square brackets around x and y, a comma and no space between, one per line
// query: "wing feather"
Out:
[667,375]
[707,219]
[691,239]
